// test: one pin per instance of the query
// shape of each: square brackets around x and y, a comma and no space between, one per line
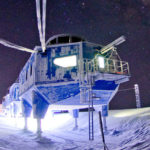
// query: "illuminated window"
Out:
[101,62]
[68,61]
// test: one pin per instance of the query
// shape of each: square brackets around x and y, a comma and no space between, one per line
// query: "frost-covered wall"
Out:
[27,75]
[48,71]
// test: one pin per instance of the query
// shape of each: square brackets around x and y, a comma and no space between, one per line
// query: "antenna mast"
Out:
[41,23]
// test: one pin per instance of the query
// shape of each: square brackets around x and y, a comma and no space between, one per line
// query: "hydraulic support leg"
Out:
[75,114]
[26,111]
[39,131]
[40,107]
[25,123]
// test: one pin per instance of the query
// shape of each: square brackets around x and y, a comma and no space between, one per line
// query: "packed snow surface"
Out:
[127,130]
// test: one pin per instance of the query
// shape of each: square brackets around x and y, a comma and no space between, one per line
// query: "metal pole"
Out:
[137,95]
[104,124]
[76,123]
[101,129]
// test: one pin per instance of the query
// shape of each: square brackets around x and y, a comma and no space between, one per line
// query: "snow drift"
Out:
[127,130]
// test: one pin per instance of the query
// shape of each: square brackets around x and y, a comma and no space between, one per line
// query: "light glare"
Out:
[68,61]
[101,62]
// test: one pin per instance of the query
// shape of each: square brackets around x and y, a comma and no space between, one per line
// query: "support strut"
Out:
[39,131]
[102,132]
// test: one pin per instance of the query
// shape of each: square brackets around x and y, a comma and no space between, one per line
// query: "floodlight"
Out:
[113,44]
[101,62]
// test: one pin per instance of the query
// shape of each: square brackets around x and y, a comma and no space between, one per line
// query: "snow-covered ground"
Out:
[127,130]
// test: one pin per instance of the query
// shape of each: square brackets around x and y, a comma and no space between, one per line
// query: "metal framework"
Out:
[111,66]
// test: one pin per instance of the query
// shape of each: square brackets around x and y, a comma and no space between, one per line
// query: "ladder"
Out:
[86,69]
[90,109]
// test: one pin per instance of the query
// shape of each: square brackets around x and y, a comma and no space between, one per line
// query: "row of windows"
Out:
[24,76]
[65,39]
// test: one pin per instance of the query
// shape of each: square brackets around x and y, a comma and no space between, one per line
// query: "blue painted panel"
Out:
[105,110]
[57,93]
[60,51]
[102,89]
[14,92]
[22,75]
[15,109]
[40,105]
[75,113]
[26,108]
[104,85]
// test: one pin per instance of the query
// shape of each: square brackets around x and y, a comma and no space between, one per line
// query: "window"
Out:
[76,39]
[68,61]
[53,41]
[64,39]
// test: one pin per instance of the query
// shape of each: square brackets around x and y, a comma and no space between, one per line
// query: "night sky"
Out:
[99,21]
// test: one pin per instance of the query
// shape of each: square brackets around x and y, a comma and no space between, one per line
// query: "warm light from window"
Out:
[101,62]
[68,61]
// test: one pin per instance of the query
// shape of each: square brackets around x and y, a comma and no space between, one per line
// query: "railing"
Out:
[110,66]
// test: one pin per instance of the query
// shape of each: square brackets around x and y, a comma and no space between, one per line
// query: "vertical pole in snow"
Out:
[39,127]
[76,123]
[101,129]
[104,124]
[25,123]
[75,115]
[137,95]
[104,115]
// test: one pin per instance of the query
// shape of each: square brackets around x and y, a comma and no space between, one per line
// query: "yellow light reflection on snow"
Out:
[129,112]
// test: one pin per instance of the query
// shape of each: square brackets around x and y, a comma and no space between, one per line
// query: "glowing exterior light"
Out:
[101,62]
[68,61]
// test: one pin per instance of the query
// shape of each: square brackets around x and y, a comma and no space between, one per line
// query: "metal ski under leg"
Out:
[102,132]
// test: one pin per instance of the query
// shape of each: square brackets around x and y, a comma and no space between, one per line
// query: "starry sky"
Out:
[99,21]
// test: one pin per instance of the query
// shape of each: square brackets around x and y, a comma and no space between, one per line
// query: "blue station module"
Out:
[69,74]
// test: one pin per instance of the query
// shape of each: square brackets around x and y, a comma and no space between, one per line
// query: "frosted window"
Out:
[68,61]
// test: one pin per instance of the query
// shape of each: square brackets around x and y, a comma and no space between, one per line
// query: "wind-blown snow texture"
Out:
[127,130]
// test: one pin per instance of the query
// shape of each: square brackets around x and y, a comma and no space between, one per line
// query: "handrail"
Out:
[111,66]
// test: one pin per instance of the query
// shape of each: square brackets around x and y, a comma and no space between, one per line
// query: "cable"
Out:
[12,45]
[126,89]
